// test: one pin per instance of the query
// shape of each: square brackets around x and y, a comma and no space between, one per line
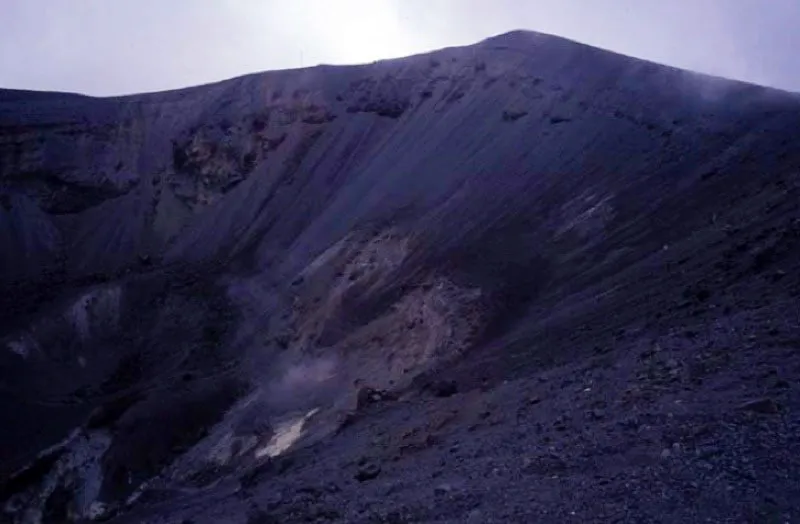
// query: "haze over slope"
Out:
[224,261]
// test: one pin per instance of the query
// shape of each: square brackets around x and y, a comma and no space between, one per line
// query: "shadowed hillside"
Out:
[521,280]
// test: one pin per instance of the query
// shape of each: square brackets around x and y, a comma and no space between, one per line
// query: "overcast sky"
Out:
[106,47]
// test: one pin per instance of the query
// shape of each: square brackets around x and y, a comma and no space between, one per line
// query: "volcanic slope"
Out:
[522,280]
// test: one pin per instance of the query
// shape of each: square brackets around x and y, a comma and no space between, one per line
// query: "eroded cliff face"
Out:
[135,171]
[200,283]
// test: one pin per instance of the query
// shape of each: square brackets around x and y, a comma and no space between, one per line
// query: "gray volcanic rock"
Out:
[561,275]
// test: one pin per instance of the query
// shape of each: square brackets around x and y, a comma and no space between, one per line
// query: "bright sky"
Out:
[106,47]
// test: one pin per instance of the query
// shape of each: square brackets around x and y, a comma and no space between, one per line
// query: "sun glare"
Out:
[361,31]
